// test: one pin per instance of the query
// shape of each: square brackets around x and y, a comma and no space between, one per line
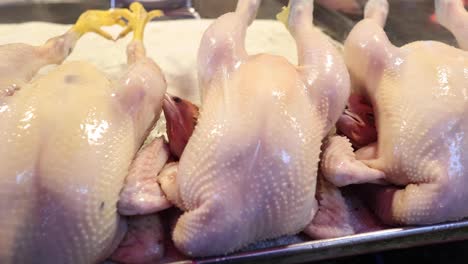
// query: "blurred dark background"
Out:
[409,20]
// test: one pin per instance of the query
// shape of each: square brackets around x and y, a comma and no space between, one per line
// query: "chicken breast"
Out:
[248,172]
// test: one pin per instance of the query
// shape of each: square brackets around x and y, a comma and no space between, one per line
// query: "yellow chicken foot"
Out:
[56,49]
[137,18]
[283,16]
[93,20]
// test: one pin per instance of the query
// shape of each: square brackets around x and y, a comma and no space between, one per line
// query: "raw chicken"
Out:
[419,96]
[68,139]
[341,213]
[248,172]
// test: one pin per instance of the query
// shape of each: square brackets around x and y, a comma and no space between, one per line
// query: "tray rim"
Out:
[326,249]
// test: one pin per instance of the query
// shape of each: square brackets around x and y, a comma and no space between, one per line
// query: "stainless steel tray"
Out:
[395,238]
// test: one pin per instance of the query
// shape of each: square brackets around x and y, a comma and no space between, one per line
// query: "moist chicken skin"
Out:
[68,139]
[248,172]
[419,96]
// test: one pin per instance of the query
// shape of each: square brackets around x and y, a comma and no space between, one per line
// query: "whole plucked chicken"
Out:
[248,172]
[419,96]
[68,139]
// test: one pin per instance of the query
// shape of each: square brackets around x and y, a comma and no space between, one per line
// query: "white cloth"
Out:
[172,44]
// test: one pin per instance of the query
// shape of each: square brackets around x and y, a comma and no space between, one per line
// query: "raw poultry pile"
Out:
[340,144]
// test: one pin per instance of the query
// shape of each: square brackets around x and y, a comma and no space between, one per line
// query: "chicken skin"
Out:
[19,62]
[418,93]
[68,139]
[248,172]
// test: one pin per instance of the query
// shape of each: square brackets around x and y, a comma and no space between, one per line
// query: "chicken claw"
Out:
[93,20]
[137,18]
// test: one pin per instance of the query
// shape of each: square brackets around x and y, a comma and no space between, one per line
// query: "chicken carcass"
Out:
[419,96]
[248,172]
[341,211]
[68,139]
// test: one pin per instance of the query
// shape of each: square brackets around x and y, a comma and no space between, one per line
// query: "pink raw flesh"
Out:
[181,116]
[143,243]
[357,123]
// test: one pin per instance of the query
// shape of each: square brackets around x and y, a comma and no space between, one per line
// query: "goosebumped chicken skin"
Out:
[418,93]
[68,139]
[248,172]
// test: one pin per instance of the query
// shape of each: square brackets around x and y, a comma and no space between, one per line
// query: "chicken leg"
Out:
[452,15]
[19,62]
[141,194]
[141,197]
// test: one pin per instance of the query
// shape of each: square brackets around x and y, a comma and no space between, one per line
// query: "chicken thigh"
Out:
[68,139]
[248,172]
[420,99]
